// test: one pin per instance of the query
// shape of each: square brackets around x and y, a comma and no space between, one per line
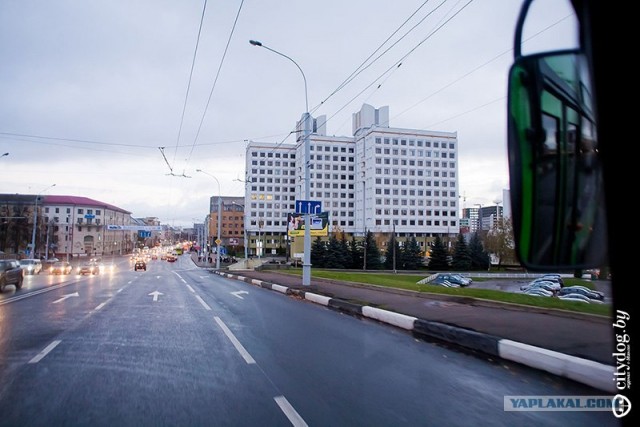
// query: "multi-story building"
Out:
[381,179]
[232,224]
[482,217]
[66,226]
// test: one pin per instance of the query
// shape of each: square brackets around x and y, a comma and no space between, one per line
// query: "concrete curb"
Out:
[585,371]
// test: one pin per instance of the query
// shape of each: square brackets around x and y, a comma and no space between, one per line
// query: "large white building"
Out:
[379,179]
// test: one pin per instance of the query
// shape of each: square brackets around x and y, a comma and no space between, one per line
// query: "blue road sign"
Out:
[308,206]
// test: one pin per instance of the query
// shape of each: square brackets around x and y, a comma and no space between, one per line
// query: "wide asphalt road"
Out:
[178,346]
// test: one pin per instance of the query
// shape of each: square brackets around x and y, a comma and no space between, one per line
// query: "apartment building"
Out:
[380,179]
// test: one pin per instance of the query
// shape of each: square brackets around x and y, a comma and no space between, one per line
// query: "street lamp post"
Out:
[306,265]
[35,222]
[218,241]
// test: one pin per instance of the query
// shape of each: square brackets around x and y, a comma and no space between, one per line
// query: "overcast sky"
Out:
[89,90]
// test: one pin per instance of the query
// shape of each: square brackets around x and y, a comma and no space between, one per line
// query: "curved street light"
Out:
[306,265]
[219,217]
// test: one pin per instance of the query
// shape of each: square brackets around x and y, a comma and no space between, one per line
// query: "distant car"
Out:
[31,266]
[140,265]
[88,268]
[442,282]
[11,273]
[171,258]
[539,292]
[60,267]
[455,279]
[577,297]
[589,293]
[545,284]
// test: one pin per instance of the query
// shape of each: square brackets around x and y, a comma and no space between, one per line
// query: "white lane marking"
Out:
[204,304]
[100,306]
[44,352]
[119,290]
[243,352]
[238,293]
[34,293]
[190,288]
[75,294]
[288,410]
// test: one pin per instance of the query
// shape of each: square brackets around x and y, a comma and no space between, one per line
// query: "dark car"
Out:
[140,265]
[60,267]
[11,273]
[455,279]
[88,268]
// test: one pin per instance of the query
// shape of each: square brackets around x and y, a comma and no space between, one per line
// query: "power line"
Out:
[186,96]
[215,81]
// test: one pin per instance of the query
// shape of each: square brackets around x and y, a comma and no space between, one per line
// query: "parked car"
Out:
[589,293]
[539,292]
[11,273]
[442,282]
[456,279]
[545,284]
[31,266]
[140,265]
[60,267]
[88,268]
[576,297]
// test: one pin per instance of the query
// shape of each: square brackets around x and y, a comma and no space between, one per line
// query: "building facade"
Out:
[64,226]
[380,179]
[232,224]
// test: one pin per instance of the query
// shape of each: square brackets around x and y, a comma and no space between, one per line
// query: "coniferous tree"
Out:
[391,258]
[355,253]
[335,257]
[318,253]
[438,261]
[372,253]
[479,257]
[343,252]
[411,258]
[461,256]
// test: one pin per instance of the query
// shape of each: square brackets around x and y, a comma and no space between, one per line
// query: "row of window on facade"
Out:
[79,220]
[415,143]
[277,155]
[98,212]
[415,153]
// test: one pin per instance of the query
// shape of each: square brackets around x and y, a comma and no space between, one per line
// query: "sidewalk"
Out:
[567,344]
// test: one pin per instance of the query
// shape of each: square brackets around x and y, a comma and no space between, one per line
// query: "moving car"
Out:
[171,258]
[88,268]
[11,273]
[60,267]
[31,266]
[140,265]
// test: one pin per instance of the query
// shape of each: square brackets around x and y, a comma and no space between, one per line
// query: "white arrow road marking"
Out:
[155,295]
[237,294]
[75,294]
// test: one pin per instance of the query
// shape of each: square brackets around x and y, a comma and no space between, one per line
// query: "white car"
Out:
[545,284]
[31,266]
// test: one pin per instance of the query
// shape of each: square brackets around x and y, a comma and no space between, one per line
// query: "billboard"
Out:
[319,224]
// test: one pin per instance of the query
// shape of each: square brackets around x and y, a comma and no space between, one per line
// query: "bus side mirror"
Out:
[556,181]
